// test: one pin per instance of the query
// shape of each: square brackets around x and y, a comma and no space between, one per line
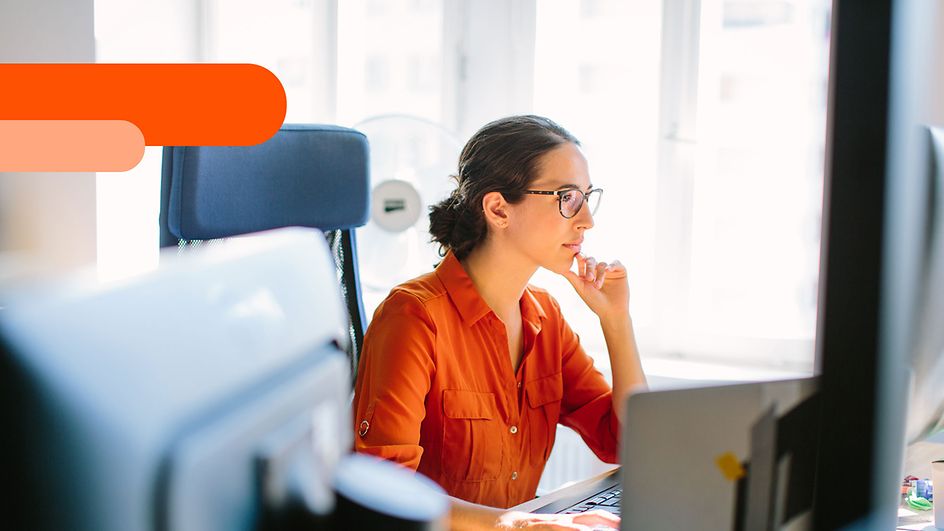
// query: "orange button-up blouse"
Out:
[436,390]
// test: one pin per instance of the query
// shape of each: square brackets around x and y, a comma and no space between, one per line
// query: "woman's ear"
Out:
[495,209]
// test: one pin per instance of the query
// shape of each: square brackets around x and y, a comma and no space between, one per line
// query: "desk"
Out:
[587,486]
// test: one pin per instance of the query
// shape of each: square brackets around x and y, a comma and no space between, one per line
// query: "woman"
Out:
[467,370]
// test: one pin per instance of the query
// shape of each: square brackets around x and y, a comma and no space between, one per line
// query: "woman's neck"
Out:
[499,276]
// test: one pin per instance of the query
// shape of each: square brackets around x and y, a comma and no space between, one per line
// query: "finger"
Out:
[590,273]
[601,278]
[598,517]
[551,522]
[581,264]
[601,267]
[600,273]
[544,526]
[616,269]
[520,519]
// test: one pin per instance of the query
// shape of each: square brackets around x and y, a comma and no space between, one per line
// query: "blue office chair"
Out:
[306,175]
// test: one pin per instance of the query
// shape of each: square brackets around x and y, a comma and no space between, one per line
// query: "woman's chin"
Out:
[560,266]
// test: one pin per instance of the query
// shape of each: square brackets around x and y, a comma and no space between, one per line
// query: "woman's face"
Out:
[537,228]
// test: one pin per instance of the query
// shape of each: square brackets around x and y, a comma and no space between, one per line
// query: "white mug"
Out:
[937,477]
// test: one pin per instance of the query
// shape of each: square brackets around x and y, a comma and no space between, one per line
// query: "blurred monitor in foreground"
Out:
[879,333]
[208,395]
[926,409]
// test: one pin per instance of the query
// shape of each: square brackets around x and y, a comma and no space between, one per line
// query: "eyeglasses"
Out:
[569,201]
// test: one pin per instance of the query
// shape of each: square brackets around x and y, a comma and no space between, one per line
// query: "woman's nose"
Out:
[584,218]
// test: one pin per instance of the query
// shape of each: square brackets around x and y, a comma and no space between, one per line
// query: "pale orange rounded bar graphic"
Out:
[69,145]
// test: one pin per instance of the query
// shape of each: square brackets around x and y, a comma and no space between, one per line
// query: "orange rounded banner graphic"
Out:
[69,145]
[172,104]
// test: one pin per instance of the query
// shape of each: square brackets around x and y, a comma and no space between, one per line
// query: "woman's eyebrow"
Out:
[573,187]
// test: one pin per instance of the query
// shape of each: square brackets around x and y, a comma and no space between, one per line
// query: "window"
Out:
[285,36]
[711,155]
[602,83]
[758,175]
[390,59]
[757,180]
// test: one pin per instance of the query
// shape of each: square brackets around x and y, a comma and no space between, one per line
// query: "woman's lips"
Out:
[575,247]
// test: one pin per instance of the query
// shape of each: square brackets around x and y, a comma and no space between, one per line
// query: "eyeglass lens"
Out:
[572,200]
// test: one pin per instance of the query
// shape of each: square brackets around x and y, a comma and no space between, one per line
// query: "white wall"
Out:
[49,217]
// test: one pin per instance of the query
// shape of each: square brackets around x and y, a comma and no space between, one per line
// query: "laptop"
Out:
[710,458]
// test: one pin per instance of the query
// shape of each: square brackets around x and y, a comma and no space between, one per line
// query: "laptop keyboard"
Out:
[608,500]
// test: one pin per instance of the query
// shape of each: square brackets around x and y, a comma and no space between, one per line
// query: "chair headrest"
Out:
[306,175]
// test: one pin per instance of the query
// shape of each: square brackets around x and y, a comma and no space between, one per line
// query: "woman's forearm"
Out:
[468,516]
[624,359]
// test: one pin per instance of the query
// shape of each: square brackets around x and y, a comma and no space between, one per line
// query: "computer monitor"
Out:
[208,395]
[926,407]
[877,251]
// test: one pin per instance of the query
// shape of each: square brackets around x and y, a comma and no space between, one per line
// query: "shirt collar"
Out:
[470,304]
[531,309]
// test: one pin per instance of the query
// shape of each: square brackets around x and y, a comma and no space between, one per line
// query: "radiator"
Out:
[570,461]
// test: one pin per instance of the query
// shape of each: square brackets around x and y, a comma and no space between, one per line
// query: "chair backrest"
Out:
[306,175]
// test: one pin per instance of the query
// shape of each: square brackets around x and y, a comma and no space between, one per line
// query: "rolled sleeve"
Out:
[587,407]
[394,376]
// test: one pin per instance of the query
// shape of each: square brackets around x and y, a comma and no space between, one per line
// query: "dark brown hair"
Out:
[503,156]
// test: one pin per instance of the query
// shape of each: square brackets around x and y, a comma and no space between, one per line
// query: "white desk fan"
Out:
[411,161]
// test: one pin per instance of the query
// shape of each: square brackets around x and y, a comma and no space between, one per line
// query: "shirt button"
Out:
[519,385]
[514,476]
[513,430]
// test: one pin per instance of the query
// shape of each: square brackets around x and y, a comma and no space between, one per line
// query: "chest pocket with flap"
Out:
[544,399]
[472,438]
